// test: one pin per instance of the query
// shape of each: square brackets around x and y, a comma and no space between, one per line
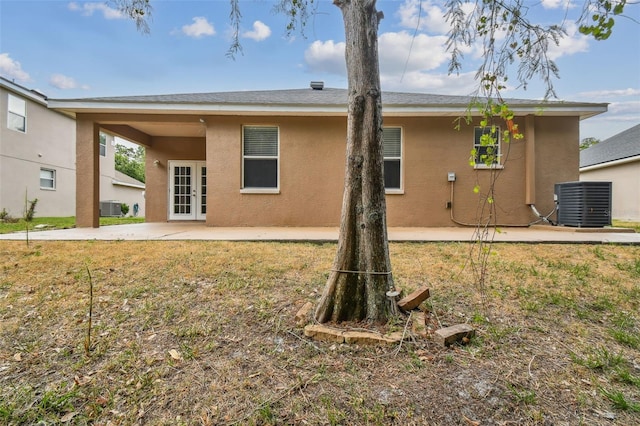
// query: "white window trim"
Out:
[53,179]
[397,191]
[260,191]
[483,166]
[256,190]
[9,112]
[492,167]
[394,191]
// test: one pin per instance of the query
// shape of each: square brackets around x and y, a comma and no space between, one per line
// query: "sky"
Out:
[78,49]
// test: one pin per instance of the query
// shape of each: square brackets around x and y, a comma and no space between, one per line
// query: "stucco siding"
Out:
[49,142]
[311,165]
[311,169]
[311,172]
[163,150]
[558,156]
[433,148]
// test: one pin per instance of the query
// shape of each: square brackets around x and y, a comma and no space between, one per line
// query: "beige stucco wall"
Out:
[625,188]
[163,150]
[312,171]
[557,150]
[49,142]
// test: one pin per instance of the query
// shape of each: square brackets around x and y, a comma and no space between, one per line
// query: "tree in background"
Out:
[130,161]
[360,282]
[588,142]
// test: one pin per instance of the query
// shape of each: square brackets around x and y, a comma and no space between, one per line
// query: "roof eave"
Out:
[23,91]
[611,163]
[75,107]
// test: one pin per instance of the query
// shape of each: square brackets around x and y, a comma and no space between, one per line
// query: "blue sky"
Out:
[71,49]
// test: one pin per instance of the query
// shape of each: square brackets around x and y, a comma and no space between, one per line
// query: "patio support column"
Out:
[87,173]
[530,160]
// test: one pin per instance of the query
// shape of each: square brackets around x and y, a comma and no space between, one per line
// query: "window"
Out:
[47,179]
[17,114]
[260,157]
[392,148]
[103,145]
[486,146]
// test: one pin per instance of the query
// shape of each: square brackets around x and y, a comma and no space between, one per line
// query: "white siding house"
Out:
[617,160]
[37,154]
[38,158]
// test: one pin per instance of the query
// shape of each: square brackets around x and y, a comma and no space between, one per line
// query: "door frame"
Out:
[198,194]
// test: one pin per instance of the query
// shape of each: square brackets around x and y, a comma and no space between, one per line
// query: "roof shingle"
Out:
[326,96]
[625,144]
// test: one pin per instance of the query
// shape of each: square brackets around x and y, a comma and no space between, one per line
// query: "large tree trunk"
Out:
[361,276]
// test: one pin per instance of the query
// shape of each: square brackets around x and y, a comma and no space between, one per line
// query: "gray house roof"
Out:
[618,147]
[34,95]
[125,180]
[307,101]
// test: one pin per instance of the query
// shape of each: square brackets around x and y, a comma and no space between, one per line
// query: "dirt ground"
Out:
[203,333]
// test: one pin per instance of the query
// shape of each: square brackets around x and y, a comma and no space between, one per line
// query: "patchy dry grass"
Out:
[203,333]
[9,225]
[627,224]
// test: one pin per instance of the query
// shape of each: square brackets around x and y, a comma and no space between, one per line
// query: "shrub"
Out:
[124,208]
[31,210]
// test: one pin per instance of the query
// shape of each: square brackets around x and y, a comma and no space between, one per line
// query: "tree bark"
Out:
[361,276]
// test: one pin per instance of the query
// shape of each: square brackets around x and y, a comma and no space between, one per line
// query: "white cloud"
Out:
[327,57]
[87,9]
[573,42]
[557,4]
[63,82]
[12,69]
[438,83]
[403,66]
[431,19]
[626,108]
[260,32]
[200,28]
[613,93]
[400,52]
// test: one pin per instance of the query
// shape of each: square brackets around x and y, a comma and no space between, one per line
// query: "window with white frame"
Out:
[486,146]
[392,148]
[16,114]
[103,145]
[47,179]
[260,157]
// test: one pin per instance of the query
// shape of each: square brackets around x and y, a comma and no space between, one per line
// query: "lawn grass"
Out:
[60,223]
[203,332]
[626,224]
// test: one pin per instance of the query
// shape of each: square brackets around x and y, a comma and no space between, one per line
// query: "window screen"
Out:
[260,157]
[47,179]
[392,148]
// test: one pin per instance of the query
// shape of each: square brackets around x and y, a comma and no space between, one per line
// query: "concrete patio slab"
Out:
[198,231]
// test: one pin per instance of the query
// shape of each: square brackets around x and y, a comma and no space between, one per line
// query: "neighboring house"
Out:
[38,157]
[115,186]
[277,158]
[37,154]
[617,160]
